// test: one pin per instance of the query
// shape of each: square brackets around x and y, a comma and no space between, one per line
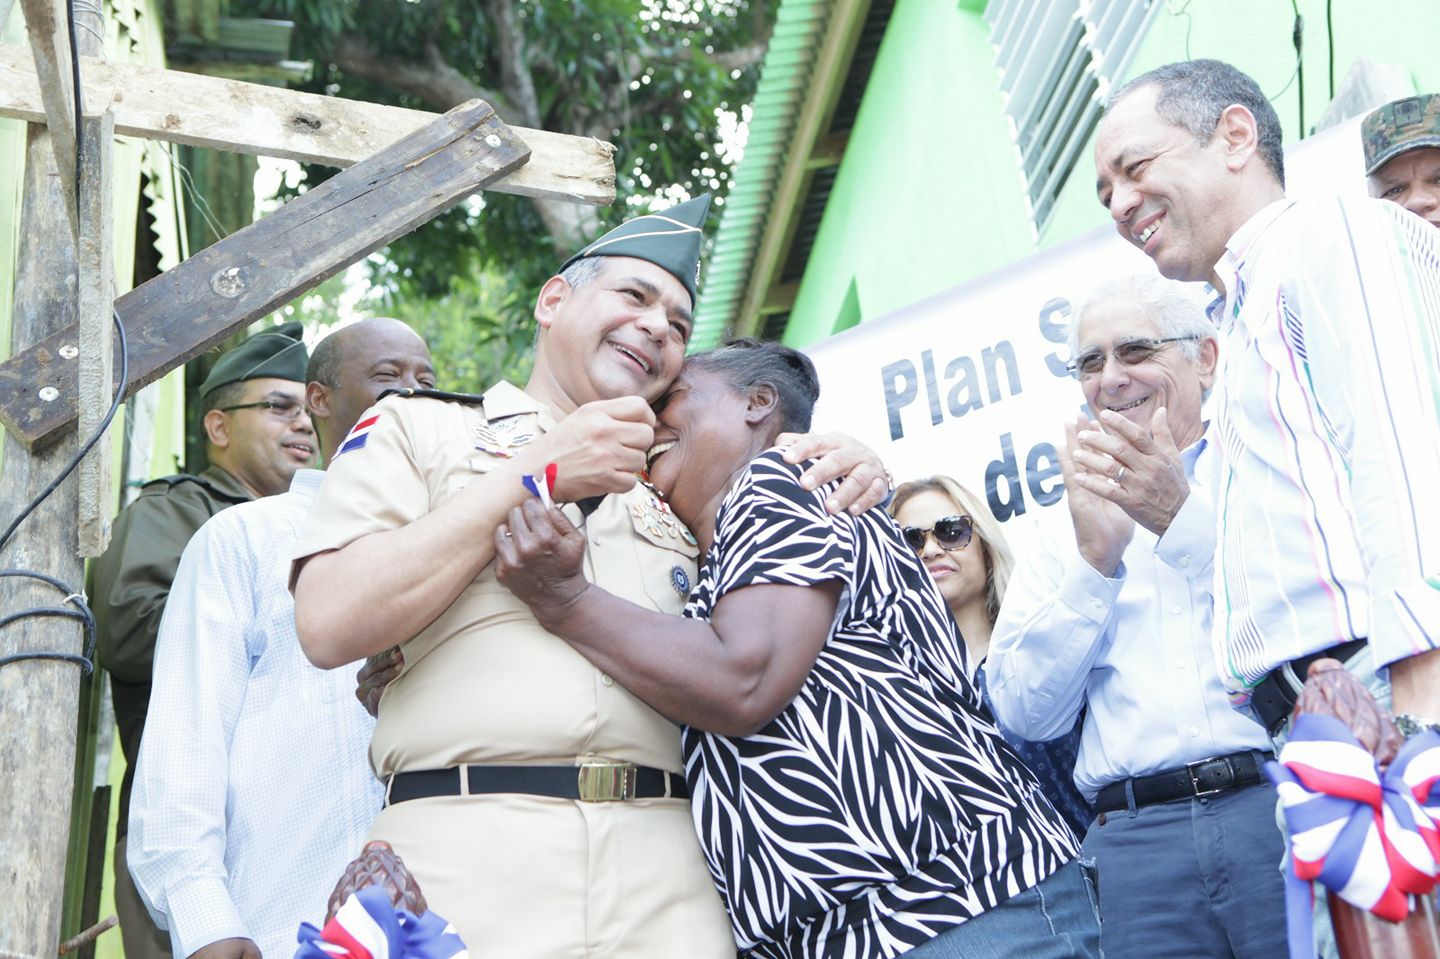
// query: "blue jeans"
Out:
[1055,919]
[1191,879]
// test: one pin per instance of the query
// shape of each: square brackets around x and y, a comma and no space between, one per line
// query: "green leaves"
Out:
[647,75]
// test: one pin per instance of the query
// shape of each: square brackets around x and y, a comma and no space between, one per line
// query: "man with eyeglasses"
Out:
[253,787]
[257,436]
[1112,617]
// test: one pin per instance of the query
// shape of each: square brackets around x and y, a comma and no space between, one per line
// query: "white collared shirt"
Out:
[1136,648]
[252,790]
[1328,430]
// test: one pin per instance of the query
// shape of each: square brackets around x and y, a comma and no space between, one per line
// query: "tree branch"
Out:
[515,76]
[432,81]
[741,57]
[569,224]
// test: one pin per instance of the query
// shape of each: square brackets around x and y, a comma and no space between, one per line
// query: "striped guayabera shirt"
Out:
[1328,427]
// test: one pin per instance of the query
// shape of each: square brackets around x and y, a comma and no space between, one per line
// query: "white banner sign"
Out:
[972,382]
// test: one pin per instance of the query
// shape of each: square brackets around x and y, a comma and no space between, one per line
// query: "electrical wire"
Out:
[90,441]
[1297,37]
[75,598]
[1330,42]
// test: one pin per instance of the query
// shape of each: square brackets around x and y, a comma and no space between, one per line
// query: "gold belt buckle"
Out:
[607,782]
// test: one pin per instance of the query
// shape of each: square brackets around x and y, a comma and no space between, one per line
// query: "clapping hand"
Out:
[1138,468]
[1102,529]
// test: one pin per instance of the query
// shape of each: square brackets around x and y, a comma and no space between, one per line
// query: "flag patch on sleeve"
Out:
[358,435]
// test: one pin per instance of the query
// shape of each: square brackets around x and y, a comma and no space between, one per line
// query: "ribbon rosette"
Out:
[542,484]
[1372,838]
[367,926]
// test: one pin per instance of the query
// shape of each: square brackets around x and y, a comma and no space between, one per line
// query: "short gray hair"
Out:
[1193,93]
[582,271]
[1174,308]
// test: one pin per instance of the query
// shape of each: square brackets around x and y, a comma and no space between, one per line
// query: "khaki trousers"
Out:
[531,877]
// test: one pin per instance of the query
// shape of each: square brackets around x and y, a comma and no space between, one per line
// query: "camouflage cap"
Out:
[277,352]
[1399,126]
[671,239]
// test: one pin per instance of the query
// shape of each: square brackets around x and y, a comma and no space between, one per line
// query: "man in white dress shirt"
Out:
[1113,615]
[253,788]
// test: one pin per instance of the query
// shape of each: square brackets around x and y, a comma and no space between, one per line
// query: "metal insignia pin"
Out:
[680,580]
[503,437]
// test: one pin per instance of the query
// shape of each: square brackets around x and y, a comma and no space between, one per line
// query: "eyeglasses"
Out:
[280,409]
[1129,354]
[951,533]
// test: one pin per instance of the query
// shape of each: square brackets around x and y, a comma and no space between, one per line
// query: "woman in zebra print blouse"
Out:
[850,793]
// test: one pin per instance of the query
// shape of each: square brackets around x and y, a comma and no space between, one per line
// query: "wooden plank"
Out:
[45,21]
[251,118]
[96,263]
[226,286]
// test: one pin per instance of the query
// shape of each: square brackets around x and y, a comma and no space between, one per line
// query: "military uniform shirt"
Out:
[484,683]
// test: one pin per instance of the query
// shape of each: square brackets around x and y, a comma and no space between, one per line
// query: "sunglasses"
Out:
[951,533]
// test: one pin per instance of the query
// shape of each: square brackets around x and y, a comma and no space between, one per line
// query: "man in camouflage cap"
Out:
[257,435]
[1402,154]
[541,806]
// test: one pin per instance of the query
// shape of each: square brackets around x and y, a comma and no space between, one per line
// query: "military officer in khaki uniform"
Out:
[257,436]
[540,805]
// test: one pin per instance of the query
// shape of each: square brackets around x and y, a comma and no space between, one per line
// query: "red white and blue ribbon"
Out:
[367,926]
[1370,837]
[542,484]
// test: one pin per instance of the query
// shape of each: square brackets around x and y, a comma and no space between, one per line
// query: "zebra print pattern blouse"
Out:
[881,807]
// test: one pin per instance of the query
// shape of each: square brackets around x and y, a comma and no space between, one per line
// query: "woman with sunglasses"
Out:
[960,544]
[851,794]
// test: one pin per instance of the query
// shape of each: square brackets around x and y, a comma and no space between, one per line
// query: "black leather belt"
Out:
[1204,778]
[590,782]
[1274,697]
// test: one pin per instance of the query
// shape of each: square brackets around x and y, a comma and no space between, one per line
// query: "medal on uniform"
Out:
[654,513]
[502,437]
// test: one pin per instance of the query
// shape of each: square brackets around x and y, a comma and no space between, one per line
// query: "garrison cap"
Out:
[670,239]
[1399,126]
[277,352]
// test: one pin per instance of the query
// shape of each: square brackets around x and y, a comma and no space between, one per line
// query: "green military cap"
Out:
[670,239]
[1400,126]
[278,352]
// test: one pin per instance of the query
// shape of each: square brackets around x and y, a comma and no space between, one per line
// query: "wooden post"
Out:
[227,285]
[37,736]
[45,22]
[97,331]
